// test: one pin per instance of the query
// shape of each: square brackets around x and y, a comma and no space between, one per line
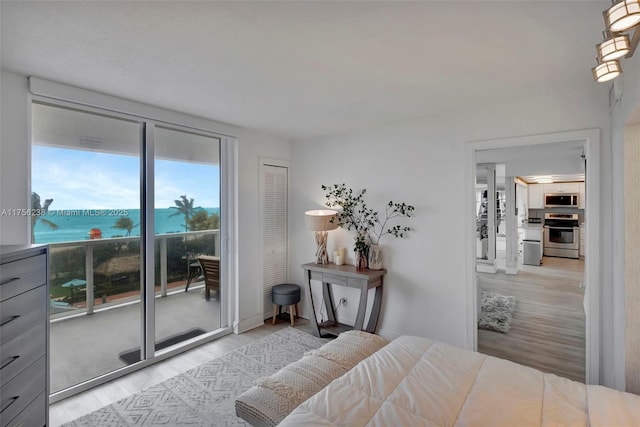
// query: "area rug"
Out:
[133,356]
[496,312]
[204,396]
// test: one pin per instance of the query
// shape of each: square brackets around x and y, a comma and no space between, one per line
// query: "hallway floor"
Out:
[548,328]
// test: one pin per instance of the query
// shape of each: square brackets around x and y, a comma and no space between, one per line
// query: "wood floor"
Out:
[88,401]
[548,328]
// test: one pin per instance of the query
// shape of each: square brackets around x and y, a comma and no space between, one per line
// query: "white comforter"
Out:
[419,382]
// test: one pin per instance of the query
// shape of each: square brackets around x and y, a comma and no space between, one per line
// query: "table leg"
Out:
[362,308]
[313,321]
[328,301]
[275,313]
[375,311]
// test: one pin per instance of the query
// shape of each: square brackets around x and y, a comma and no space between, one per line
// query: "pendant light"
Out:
[622,15]
[606,71]
[613,48]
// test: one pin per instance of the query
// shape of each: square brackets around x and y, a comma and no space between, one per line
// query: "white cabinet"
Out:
[536,192]
[562,187]
[536,196]
[583,239]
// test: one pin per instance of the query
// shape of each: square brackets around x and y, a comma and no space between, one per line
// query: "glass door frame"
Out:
[228,235]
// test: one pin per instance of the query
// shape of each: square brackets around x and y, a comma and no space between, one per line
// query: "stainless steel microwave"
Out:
[561,200]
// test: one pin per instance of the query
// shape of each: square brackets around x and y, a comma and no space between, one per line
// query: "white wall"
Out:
[14,158]
[14,170]
[422,163]
[252,147]
[622,113]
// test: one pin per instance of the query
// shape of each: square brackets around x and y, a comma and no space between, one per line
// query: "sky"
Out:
[78,179]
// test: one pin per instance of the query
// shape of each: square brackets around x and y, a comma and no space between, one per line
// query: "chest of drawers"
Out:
[24,338]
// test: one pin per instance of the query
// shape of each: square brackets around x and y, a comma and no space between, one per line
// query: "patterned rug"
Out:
[204,396]
[496,312]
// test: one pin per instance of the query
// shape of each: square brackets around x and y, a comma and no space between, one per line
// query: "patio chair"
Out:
[195,271]
[211,267]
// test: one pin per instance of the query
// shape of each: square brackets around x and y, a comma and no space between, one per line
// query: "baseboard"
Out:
[511,270]
[248,324]
[486,268]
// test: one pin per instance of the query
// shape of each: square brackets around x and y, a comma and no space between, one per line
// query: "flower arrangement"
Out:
[355,214]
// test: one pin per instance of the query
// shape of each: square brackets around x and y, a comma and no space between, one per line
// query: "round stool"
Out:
[285,294]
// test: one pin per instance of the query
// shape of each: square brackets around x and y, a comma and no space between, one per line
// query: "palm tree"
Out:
[201,220]
[39,212]
[184,207]
[125,223]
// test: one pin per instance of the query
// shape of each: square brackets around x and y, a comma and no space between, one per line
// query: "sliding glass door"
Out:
[86,204]
[187,235]
[131,210]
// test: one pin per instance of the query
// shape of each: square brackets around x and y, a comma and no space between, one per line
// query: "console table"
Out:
[344,275]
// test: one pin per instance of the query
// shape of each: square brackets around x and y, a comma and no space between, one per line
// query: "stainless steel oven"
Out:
[562,235]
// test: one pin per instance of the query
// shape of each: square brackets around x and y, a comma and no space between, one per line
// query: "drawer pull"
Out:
[9,319]
[13,279]
[9,403]
[9,361]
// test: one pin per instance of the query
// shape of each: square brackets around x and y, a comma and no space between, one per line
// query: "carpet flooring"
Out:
[204,396]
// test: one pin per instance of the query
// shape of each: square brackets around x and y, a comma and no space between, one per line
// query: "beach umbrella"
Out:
[74,283]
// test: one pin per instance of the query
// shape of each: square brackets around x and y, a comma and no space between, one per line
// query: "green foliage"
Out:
[354,214]
[184,206]
[124,223]
[40,211]
[201,220]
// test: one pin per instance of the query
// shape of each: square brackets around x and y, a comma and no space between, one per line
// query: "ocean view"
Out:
[75,224]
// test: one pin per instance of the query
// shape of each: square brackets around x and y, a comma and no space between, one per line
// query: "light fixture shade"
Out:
[321,220]
[622,15]
[613,48]
[606,71]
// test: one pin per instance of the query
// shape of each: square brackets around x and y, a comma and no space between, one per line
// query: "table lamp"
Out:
[321,221]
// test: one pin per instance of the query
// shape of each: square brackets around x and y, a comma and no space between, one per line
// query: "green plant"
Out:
[125,223]
[355,214]
[184,206]
[201,220]
[39,212]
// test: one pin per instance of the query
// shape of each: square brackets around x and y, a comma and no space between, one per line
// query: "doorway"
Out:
[589,140]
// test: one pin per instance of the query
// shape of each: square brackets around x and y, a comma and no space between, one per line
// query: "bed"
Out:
[415,381]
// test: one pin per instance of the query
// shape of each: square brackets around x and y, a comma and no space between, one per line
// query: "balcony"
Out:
[96,312]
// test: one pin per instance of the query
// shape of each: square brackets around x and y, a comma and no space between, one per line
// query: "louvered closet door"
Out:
[274,230]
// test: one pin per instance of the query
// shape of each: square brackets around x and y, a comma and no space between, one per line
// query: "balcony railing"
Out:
[175,256]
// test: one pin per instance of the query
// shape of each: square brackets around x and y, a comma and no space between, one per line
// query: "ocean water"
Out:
[76,224]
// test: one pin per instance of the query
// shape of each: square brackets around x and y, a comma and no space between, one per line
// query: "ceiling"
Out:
[305,69]
[558,161]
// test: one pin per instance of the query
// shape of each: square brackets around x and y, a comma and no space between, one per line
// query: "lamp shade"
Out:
[622,15]
[321,220]
[613,48]
[606,71]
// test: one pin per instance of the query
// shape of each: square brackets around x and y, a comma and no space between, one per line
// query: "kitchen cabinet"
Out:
[24,304]
[536,192]
[583,239]
[536,196]
[562,187]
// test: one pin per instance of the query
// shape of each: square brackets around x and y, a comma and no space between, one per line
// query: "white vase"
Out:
[375,257]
